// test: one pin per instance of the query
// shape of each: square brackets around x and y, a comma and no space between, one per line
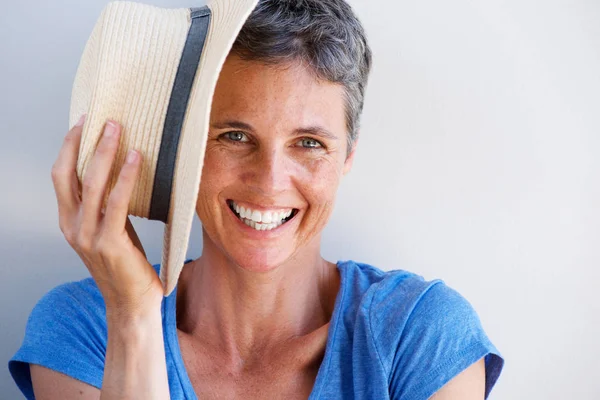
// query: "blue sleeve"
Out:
[66,332]
[436,336]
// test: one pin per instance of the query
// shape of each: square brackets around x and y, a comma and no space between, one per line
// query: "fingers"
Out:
[117,207]
[65,180]
[64,175]
[96,177]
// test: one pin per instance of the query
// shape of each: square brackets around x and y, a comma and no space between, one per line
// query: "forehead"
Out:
[276,93]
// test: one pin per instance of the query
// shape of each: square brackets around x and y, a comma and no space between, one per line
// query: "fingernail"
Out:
[81,120]
[132,156]
[110,129]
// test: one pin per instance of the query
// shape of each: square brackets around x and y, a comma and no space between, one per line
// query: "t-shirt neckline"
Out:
[170,328]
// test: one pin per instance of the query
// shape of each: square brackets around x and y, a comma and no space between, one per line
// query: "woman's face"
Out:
[275,155]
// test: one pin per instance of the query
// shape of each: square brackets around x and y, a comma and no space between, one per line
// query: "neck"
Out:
[245,313]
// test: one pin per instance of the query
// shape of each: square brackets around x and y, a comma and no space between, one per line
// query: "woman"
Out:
[260,314]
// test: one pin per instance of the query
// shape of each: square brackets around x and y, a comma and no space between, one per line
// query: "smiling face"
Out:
[275,155]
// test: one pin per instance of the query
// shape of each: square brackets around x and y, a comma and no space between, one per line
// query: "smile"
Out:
[262,220]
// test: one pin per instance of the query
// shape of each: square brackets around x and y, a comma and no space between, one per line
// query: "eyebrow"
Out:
[233,124]
[310,130]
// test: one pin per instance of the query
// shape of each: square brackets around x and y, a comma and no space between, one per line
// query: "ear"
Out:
[350,159]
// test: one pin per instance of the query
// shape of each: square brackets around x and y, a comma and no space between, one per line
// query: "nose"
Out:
[268,171]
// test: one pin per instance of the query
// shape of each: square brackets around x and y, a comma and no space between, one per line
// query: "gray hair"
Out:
[323,34]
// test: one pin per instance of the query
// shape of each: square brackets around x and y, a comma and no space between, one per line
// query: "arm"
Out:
[135,363]
[468,385]
[135,358]
[134,369]
[49,385]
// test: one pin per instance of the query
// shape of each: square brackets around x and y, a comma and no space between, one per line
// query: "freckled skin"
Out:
[271,167]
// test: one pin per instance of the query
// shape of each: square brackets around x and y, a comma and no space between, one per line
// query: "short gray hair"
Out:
[326,35]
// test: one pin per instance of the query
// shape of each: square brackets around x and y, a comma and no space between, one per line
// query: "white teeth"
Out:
[266,217]
[265,227]
[256,216]
[261,221]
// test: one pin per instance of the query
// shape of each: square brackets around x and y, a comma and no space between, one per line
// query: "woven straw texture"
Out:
[228,17]
[126,74]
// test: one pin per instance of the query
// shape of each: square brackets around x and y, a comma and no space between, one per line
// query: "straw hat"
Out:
[154,70]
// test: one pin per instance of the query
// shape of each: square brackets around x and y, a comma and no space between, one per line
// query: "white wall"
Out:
[477,164]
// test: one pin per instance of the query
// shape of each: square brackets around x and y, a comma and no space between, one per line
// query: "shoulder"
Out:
[383,291]
[390,303]
[66,332]
[68,304]
[403,298]
[407,300]
[418,328]
[72,301]
[82,296]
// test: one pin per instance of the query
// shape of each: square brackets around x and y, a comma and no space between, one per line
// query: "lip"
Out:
[263,234]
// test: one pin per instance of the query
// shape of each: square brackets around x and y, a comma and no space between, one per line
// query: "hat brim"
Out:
[228,18]
[127,73]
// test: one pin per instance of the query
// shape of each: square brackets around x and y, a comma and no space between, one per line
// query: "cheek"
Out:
[319,192]
[214,176]
[218,170]
[319,186]
[215,161]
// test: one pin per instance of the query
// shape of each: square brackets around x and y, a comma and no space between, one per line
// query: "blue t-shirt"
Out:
[392,335]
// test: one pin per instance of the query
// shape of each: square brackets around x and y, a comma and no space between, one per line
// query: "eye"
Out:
[236,136]
[309,143]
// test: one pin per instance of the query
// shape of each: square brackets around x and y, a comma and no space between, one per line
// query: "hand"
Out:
[105,240]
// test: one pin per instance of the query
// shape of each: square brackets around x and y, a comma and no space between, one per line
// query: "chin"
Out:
[260,261]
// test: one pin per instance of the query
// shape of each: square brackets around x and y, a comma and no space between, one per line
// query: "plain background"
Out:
[478,164]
